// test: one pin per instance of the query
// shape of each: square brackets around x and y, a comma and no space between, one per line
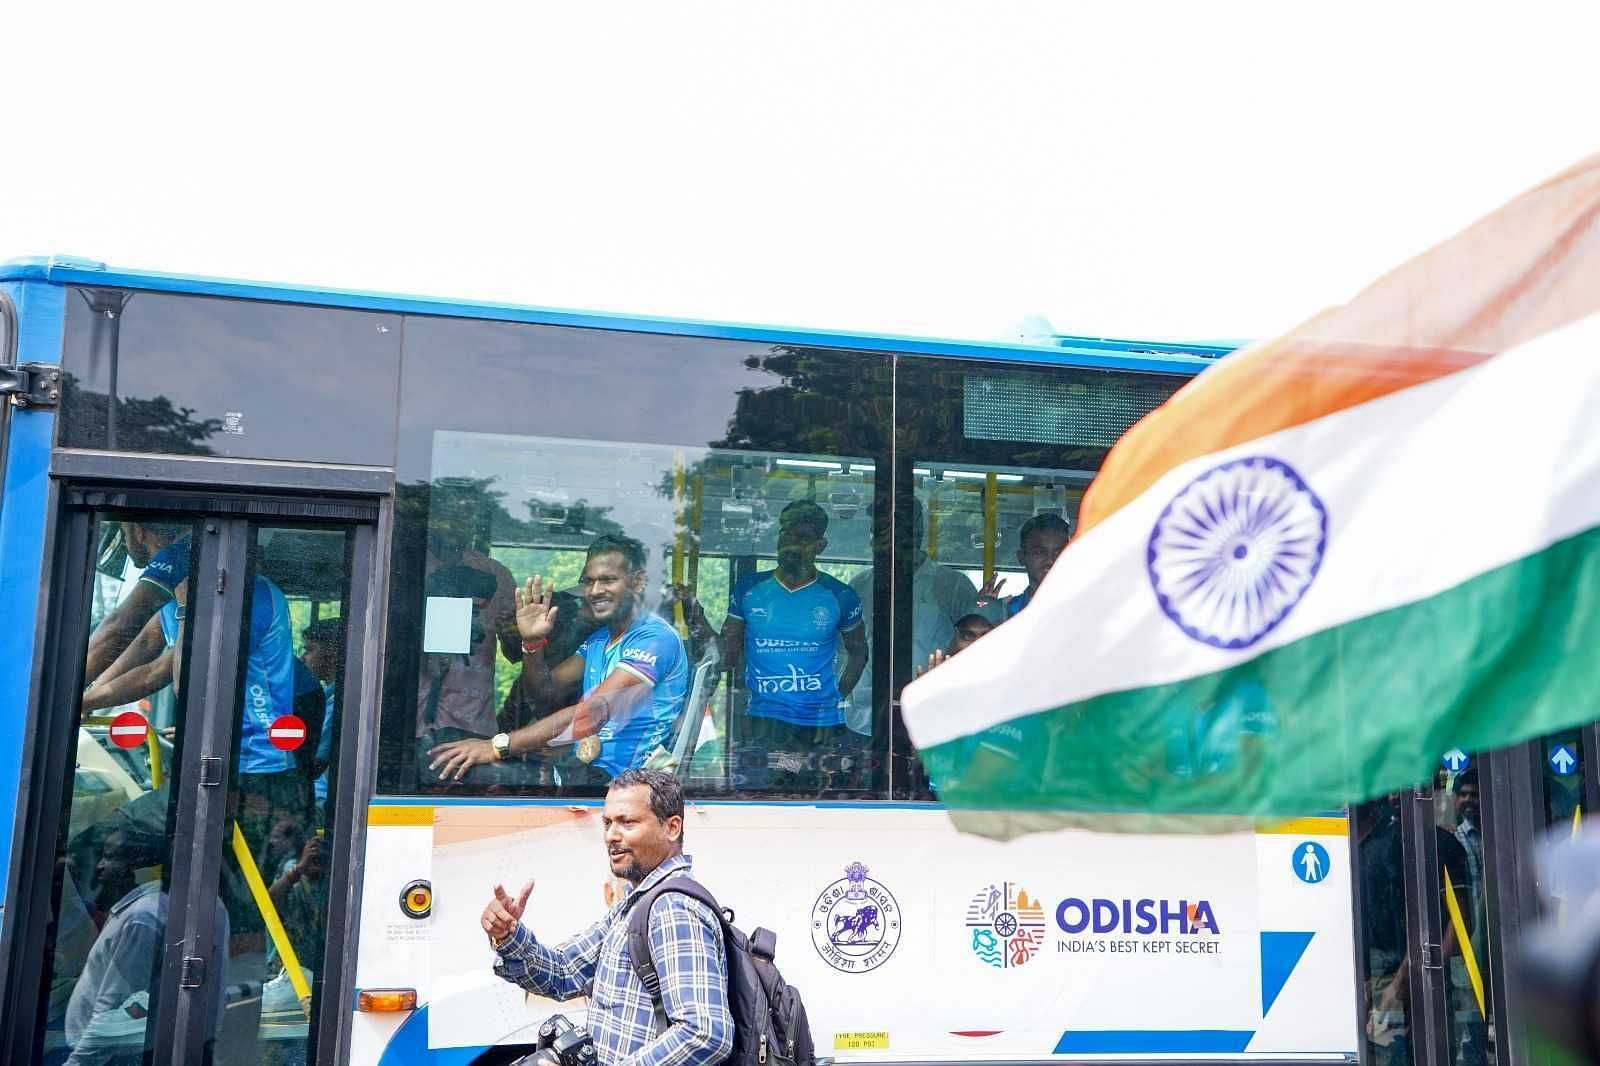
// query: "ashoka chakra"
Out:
[1236,550]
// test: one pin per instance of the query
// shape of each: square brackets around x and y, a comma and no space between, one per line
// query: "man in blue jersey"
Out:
[1042,538]
[161,550]
[630,675]
[785,627]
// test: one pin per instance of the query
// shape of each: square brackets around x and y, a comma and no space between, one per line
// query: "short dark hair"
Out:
[167,531]
[804,513]
[666,793]
[325,631]
[1045,522]
[632,551]
[1468,776]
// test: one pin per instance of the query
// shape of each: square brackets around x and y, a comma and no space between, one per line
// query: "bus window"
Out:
[998,468]
[159,372]
[665,569]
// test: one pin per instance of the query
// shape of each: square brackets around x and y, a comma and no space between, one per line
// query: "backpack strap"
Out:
[644,965]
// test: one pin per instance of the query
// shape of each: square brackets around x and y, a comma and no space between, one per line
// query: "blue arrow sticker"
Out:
[1455,760]
[1562,760]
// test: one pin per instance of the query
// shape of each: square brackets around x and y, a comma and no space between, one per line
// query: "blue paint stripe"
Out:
[1109,353]
[1153,1041]
[593,801]
[22,527]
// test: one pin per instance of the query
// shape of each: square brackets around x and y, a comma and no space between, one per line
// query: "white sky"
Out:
[1126,169]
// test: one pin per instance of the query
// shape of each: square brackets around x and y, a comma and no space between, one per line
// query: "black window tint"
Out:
[193,375]
[994,452]
[523,446]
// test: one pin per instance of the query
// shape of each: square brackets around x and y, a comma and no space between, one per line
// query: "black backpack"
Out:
[769,1021]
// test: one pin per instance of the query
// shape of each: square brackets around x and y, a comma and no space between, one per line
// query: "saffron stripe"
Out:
[1513,276]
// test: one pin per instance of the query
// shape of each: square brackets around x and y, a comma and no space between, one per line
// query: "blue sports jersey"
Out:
[652,651]
[269,680]
[1015,604]
[169,567]
[790,639]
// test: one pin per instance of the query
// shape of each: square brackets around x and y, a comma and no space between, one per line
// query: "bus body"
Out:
[260,545]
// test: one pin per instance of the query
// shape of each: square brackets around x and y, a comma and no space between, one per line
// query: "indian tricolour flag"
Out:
[1325,562]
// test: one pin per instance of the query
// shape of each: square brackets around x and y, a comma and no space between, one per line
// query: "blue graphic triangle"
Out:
[1280,954]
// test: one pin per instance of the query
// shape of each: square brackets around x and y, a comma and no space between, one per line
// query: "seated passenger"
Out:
[785,626]
[1041,539]
[630,675]
[968,630]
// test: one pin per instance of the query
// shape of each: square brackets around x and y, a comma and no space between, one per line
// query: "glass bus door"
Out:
[186,913]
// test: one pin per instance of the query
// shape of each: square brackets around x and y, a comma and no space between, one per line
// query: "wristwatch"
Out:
[502,745]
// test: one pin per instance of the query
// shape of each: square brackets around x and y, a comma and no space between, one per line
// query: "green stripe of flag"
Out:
[1344,715]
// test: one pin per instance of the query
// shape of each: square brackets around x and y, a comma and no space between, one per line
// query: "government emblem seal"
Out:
[855,923]
[1236,549]
[1005,925]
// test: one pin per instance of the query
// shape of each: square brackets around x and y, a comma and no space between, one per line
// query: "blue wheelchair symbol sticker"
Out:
[1310,862]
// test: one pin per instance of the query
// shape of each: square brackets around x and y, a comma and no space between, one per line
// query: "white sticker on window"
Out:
[447,625]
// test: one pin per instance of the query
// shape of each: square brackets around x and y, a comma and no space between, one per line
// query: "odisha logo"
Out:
[1139,916]
[1235,551]
[1006,925]
[855,924]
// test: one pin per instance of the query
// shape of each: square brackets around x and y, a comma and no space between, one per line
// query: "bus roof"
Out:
[1183,358]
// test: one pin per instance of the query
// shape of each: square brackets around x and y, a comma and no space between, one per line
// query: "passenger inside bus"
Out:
[940,595]
[1043,537]
[456,691]
[324,657]
[162,551]
[630,677]
[785,627]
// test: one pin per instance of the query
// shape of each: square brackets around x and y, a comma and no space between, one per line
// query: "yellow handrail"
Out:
[1468,955]
[269,915]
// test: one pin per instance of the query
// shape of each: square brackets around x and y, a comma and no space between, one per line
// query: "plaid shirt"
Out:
[691,1026]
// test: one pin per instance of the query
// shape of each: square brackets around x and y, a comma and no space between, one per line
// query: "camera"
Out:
[561,1044]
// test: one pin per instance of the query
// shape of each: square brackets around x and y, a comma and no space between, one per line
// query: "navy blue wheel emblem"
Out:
[1236,549]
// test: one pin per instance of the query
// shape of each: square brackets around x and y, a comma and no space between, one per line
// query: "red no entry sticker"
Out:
[128,729]
[287,733]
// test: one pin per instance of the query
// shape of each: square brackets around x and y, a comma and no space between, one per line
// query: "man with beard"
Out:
[687,1020]
[632,674]
[786,626]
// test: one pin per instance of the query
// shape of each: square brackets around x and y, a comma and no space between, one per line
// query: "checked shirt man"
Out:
[691,1024]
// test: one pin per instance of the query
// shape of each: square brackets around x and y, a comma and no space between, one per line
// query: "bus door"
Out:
[192,808]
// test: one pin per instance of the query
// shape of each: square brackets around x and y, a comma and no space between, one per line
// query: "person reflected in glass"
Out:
[784,629]
[1041,539]
[629,677]
[110,1003]
[1472,1036]
[940,595]
[456,690]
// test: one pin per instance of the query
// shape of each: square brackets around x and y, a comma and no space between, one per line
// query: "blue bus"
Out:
[264,548]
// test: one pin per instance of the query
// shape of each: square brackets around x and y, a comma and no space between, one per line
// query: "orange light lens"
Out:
[386,1000]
